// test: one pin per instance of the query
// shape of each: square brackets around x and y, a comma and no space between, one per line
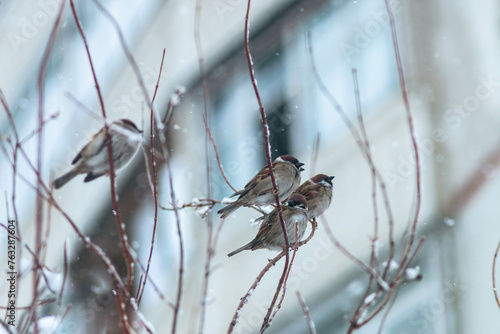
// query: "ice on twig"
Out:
[383,284]
[202,211]
[180,89]
[174,99]
[54,279]
[228,200]
[412,274]
[142,318]
[362,317]
[393,265]
[370,298]
[376,247]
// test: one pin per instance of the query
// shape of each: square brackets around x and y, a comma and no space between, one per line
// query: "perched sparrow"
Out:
[318,193]
[259,190]
[93,159]
[270,234]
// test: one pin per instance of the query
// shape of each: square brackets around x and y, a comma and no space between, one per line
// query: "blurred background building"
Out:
[450,51]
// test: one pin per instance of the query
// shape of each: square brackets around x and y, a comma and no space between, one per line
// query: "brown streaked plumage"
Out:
[270,234]
[259,190]
[93,159]
[318,193]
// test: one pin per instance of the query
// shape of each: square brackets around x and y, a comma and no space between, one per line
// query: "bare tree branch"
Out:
[39,200]
[112,175]
[495,292]
[305,309]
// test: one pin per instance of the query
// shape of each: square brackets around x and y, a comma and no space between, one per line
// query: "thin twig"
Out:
[123,313]
[278,306]
[166,160]
[367,148]
[269,162]
[154,181]
[305,309]
[139,286]
[112,174]
[181,250]
[15,149]
[143,271]
[371,163]
[63,318]
[27,307]
[84,239]
[3,100]
[270,264]
[49,219]
[393,289]
[353,258]
[362,141]
[206,121]
[374,248]
[140,316]
[404,93]
[39,200]
[65,275]
[130,59]
[6,327]
[250,291]
[217,155]
[495,292]
[314,155]
[357,137]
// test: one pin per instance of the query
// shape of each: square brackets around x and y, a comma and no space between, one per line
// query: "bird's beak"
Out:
[330,178]
[301,169]
[299,165]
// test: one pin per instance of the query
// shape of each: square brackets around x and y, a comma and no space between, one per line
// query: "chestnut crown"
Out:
[291,159]
[322,177]
[128,124]
[297,200]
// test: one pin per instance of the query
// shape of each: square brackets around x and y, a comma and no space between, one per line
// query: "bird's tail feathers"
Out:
[227,210]
[61,181]
[241,249]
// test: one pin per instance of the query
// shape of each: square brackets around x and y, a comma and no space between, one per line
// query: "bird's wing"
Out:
[96,144]
[310,191]
[262,175]
[267,224]
[303,187]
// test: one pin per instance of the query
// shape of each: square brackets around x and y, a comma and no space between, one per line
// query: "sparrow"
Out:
[318,193]
[270,233]
[259,190]
[93,159]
